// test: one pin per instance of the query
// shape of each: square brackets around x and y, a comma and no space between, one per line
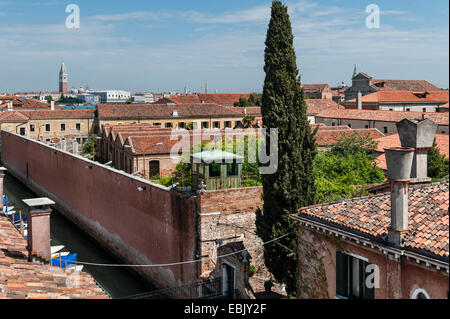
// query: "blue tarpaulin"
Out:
[65,260]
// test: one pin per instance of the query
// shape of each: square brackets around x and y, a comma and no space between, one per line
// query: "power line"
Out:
[181,262]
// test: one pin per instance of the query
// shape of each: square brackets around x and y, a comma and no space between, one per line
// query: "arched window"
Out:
[420,294]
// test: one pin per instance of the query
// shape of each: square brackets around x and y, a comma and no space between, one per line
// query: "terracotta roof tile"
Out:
[404,96]
[329,135]
[403,85]
[428,211]
[315,106]
[385,116]
[110,111]
[13,116]
[23,103]
[22,279]
[393,140]
[211,98]
[58,114]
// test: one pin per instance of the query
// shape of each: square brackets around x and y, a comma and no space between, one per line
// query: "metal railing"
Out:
[207,289]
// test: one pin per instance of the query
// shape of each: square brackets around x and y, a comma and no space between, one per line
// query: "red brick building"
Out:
[341,239]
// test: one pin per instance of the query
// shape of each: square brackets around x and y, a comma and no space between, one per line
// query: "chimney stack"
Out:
[359,100]
[10,106]
[52,105]
[420,136]
[38,217]
[399,162]
[2,176]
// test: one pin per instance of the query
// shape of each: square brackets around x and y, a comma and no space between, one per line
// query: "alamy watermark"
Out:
[262,146]
[73,279]
[73,19]
[373,19]
[373,277]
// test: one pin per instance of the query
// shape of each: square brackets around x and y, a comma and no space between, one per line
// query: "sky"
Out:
[166,45]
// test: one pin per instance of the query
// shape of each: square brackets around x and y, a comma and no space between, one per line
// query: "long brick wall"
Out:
[152,226]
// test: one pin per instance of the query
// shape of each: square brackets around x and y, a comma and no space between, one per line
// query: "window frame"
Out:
[345,276]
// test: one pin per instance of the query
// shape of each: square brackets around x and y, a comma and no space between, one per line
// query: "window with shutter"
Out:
[351,277]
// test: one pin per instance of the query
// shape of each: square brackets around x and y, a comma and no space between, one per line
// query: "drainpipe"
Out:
[38,217]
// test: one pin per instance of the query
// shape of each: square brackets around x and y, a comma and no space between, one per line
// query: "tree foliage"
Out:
[253,100]
[438,164]
[292,186]
[90,147]
[353,144]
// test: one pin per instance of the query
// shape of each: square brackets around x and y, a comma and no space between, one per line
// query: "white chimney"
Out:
[10,106]
[399,162]
[359,100]
[52,105]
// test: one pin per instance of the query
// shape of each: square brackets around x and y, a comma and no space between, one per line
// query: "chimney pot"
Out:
[399,162]
[420,136]
[359,100]
[38,217]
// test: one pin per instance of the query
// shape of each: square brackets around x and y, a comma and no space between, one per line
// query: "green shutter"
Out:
[341,274]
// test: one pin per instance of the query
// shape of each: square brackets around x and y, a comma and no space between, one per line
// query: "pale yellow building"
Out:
[50,125]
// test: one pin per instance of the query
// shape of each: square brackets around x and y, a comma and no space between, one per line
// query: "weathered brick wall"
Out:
[317,269]
[151,226]
[229,215]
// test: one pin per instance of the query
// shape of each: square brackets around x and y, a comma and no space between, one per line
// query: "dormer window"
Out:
[421,95]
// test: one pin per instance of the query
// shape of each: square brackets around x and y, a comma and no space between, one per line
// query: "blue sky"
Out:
[165,45]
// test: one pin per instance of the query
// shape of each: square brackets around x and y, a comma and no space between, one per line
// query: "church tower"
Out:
[355,72]
[63,79]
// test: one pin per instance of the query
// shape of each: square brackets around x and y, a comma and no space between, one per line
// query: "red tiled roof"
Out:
[135,111]
[403,85]
[314,87]
[23,103]
[21,279]
[211,98]
[251,110]
[60,114]
[315,106]
[150,144]
[325,137]
[384,116]
[371,215]
[404,96]
[442,143]
[13,116]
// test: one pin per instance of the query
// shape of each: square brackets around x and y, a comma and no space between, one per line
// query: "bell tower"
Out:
[63,79]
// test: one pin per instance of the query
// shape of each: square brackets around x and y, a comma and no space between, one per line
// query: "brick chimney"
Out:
[418,134]
[38,217]
[2,176]
[359,100]
[399,162]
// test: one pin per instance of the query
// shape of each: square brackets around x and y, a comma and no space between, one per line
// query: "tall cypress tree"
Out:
[292,186]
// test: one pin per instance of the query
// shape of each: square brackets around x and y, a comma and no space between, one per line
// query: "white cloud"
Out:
[226,49]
